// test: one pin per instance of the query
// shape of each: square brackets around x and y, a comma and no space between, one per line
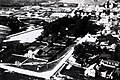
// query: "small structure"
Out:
[59,15]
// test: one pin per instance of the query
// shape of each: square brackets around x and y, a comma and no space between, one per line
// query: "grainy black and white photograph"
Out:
[59,39]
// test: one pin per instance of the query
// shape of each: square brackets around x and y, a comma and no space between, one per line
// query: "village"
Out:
[77,40]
